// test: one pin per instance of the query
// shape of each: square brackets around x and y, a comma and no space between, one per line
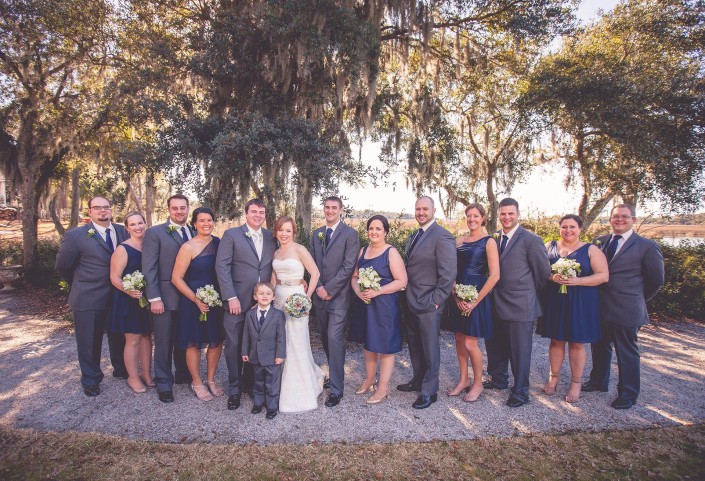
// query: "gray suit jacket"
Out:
[83,261]
[524,269]
[336,263]
[238,267]
[431,268]
[636,275]
[263,345]
[159,250]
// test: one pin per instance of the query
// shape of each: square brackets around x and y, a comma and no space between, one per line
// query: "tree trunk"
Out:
[492,204]
[55,216]
[304,207]
[75,196]
[150,194]
[30,201]
[594,212]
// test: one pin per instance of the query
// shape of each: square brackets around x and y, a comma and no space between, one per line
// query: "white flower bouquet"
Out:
[209,296]
[297,305]
[135,282]
[566,268]
[467,293]
[368,278]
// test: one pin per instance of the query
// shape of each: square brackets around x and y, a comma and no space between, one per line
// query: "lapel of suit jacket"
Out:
[267,318]
[100,239]
[176,234]
[248,238]
[423,238]
[627,244]
[333,237]
[513,241]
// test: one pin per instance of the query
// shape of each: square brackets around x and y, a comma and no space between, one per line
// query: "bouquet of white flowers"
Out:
[135,282]
[368,278]
[566,268]
[466,293]
[297,305]
[209,296]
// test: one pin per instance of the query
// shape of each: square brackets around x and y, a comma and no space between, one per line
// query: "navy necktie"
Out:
[416,240]
[503,245]
[261,318]
[612,247]
[109,241]
[183,234]
[329,233]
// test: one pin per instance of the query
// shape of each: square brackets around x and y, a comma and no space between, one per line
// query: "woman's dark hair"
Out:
[283,220]
[200,210]
[576,218]
[382,219]
[480,209]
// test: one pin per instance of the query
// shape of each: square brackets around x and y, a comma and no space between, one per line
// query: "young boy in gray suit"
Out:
[264,346]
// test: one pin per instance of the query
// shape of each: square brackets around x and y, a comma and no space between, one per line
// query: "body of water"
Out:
[676,241]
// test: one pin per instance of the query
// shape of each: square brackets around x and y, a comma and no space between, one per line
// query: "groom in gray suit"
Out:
[431,264]
[83,261]
[524,269]
[160,246]
[636,275]
[334,247]
[244,258]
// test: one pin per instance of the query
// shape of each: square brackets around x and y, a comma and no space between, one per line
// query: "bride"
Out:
[302,379]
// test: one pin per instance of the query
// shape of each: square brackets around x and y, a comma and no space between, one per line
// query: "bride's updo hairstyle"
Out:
[283,220]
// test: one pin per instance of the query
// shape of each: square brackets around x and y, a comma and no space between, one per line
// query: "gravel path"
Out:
[40,389]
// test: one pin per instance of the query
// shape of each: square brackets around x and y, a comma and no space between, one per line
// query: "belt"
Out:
[296,282]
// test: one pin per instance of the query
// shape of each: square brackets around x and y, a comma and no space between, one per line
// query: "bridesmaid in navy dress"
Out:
[573,317]
[194,268]
[377,324]
[127,317]
[478,265]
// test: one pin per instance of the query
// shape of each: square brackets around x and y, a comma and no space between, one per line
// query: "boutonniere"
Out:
[248,234]
[91,233]
[171,229]
[495,236]
[322,236]
[598,243]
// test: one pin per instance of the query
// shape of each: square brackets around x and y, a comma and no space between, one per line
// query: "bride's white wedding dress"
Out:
[302,379]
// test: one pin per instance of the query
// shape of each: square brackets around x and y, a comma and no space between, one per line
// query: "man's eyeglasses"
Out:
[100,207]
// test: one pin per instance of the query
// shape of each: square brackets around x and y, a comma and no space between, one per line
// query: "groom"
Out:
[244,258]
[334,247]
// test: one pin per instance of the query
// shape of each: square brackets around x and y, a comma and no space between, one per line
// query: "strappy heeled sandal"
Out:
[548,389]
[202,392]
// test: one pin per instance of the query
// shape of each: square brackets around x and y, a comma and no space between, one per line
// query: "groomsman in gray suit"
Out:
[83,261]
[431,264]
[334,247]
[244,258]
[636,275]
[160,246]
[524,269]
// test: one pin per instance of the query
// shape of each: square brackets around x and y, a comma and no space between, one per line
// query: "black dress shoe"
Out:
[515,402]
[271,413]
[623,403]
[588,387]
[182,380]
[256,409]
[326,383]
[491,385]
[120,374]
[333,400]
[166,396]
[233,402]
[422,402]
[408,387]
[91,391]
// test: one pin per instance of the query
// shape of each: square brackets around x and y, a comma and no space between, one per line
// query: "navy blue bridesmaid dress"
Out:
[574,316]
[377,324]
[192,332]
[473,270]
[127,317]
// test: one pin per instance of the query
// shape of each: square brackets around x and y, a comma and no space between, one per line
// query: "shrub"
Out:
[683,294]
[398,233]
[42,274]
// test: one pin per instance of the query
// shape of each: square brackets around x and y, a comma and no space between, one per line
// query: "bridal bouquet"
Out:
[466,293]
[368,279]
[297,305]
[209,296]
[135,282]
[566,268]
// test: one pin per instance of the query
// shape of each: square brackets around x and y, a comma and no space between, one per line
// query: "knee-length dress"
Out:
[377,324]
[472,270]
[192,332]
[574,316]
[127,316]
